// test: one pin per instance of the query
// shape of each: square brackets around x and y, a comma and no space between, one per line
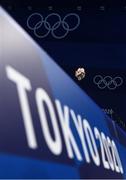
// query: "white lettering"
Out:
[54,145]
[23,84]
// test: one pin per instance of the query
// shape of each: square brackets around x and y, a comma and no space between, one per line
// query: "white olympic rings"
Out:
[60,23]
[107,81]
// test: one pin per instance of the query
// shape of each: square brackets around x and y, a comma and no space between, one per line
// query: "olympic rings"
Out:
[107,81]
[60,23]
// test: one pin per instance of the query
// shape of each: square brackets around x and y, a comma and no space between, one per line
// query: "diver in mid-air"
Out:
[80,73]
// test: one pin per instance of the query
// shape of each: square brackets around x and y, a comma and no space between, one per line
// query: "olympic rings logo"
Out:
[107,81]
[53,23]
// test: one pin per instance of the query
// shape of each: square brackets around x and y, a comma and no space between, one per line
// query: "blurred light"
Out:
[29,8]
[50,8]
[102,8]
[79,8]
